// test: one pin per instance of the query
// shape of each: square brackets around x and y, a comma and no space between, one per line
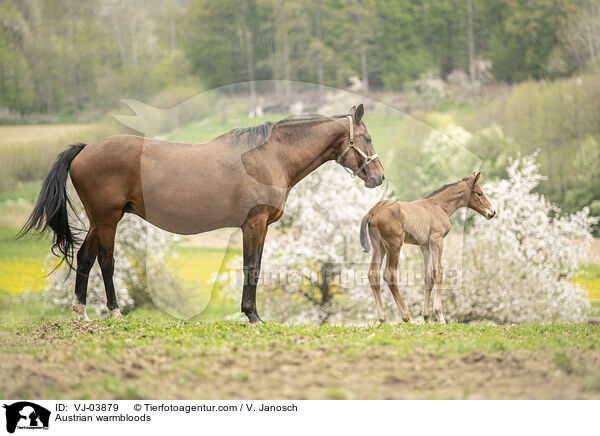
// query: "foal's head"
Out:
[356,152]
[478,201]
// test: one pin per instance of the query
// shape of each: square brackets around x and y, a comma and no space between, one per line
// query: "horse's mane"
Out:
[255,135]
[446,186]
[259,134]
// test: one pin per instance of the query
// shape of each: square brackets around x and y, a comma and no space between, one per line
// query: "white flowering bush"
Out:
[519,266]
[141,250]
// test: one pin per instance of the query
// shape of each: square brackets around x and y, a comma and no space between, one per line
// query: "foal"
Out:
[425,223]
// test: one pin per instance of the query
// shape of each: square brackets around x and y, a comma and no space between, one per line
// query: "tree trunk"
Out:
[286,60]
[471,40]
[363,57]
[327,273]
[284,66]
[247,48]
[318,36]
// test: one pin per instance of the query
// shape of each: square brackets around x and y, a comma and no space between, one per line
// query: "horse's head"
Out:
[478,201]
[357,153]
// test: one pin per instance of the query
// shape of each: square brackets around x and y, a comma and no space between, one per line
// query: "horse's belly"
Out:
[190,193]
[192,205]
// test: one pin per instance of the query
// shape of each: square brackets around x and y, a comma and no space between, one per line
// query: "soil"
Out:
[43,364]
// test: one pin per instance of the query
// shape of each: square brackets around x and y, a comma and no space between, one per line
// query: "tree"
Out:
[581,36]
[524,36]
[16,87]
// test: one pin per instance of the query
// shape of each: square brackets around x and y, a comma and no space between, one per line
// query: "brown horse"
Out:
[425,223]
[239,179]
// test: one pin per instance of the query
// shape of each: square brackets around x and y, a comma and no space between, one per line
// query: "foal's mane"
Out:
[259,134]
[446,186]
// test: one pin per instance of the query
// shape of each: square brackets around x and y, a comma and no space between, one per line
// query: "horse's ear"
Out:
[477,176]
[358,113]
[352,110]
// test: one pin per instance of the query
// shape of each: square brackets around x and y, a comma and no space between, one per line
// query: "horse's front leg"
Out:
[438,278]
[254,231]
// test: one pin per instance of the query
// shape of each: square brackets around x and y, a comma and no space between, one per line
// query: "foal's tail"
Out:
[364,229]
[51,208]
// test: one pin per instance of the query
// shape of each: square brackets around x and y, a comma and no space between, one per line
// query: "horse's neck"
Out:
[451,199]
[303,147]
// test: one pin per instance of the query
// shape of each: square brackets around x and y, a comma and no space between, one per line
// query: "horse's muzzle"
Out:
[490,214]
[374,181]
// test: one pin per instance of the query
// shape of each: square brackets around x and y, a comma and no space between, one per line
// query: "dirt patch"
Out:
[53,329]
[47,363]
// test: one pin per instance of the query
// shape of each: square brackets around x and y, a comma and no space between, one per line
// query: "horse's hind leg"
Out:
[106,236]
[428,273]
[390,275]
[85,260]
[374,274]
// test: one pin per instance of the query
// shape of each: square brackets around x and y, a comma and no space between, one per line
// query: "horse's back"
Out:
[409,219]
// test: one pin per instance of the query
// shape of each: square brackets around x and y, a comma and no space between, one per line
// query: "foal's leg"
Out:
[374,275]
[428,273]
[438,277]
[390,275]
[85,260]
[254,231]
[106,235]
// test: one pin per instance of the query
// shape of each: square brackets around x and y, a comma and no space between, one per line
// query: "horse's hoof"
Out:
[382,321]
[79,312]
[115,314]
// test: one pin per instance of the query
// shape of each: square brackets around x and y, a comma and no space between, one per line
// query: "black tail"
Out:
[51,208]
[364,236]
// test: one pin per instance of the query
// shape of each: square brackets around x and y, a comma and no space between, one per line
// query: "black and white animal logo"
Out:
[26,415]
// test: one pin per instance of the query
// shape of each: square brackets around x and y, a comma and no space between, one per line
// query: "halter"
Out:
[367,159]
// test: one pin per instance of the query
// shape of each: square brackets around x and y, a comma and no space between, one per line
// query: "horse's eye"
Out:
[480,194]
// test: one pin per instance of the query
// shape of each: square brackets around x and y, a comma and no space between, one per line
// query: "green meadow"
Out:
[148,357]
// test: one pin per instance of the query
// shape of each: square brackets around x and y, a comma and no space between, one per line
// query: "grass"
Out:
[27,150]
[21,263]
[27,191]
[589,277]
[149,358]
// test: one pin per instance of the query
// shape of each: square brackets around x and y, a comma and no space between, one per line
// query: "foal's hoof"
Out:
[115,314]
[79,312]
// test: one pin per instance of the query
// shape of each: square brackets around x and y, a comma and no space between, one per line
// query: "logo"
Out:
[26,415]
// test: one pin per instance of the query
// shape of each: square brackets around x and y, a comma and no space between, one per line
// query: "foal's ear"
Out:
[357,112]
